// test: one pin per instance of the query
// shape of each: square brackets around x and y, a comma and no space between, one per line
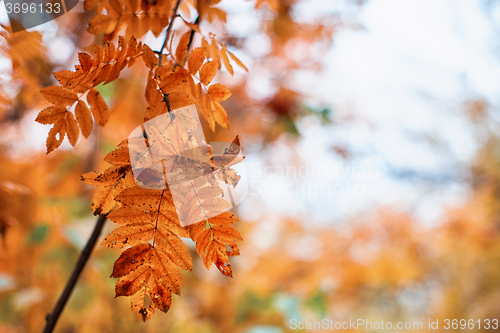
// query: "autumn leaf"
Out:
[212,236]
[51,115]
[59,95]
[225,59]
[148,269]
[196,59]
[179,99]
[181,51]
[56,135]
[84,118]
[237,61]
[98,107]
[208,71]
[72,129]
[218,92]
[149,57]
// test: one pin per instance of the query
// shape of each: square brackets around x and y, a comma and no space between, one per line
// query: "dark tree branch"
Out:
[84,256]
[169,29]
[191,36]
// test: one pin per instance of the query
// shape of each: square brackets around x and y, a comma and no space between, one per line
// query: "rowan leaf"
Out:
[179,99]
[237,61]
[149,57]
[110,176]
[100,24]
[182,48]
[208,71]
[56,135]
[85,61]
[84,118]
[63,76]
[219,92]
[220,115]
[51,115]
[177,80]
[196,58]
[130,235]
[98,107]
[72,129]
[118,156]
[225,59]
[212,243]
[59,95]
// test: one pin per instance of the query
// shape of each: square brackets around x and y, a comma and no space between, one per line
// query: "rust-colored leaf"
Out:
[98,107]
[72,129]
[84,118]
[149,57]
[181,51]
[196,59]
[179,99]
[56,135]
[51,115]
[218,92]
[207,72]
[59,95]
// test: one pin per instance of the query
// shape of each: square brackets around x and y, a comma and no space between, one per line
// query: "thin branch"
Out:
[84,256]
[169,29]
[191,36]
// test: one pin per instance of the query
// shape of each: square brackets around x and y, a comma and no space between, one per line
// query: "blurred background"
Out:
[372,160]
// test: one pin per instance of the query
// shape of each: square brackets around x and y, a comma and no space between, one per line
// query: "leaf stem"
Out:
[169,28]
[84,256]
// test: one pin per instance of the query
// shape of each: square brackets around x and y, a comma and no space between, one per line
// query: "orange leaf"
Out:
[72,129]
[59,95]
[85,61]
[220,115]
[237,61]
[84,118]
[109,52]
[101,24]
[51,115]
[98,107]
[181,51]
[225,59]
[207,72]
[118,157]
[56,136]
[149,57]
[219,92]
[196,59]
[179,99]
[63,76]
[178,80]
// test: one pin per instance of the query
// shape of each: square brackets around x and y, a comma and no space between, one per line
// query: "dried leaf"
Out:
[51,115]
[149,57]
[225,59]
[179,99]
[182,48]
[84,118]
[59,95]
[196,59]
[72,129]
[218,92]
[207,72]
[98,107]
[56,136]
[237,61]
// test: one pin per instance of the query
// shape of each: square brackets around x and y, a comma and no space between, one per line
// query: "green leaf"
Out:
[38,234]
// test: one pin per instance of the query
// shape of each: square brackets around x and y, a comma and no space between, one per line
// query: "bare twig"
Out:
[169,29]
[84,256]
[191,36]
